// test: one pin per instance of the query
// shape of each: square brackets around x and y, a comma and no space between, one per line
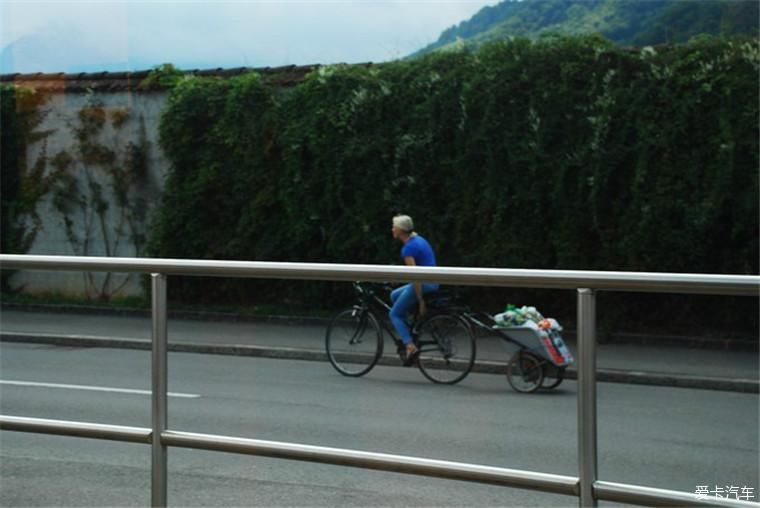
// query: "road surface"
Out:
[663,437]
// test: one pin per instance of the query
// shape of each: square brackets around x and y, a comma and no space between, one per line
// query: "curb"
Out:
[713,343]
[484,367]
[175,314]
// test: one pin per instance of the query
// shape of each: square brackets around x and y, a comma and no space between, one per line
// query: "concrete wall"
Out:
[75,222]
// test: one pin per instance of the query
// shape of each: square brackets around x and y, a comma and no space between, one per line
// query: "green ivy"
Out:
[561,153]
[162,76]
[24,183]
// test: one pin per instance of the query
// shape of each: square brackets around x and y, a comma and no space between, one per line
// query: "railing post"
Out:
[587,456]
[160,388]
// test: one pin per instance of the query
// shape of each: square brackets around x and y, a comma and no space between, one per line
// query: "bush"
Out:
[566,153]
[23,184]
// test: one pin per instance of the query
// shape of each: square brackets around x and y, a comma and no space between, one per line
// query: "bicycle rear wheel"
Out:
[354,342]
[447,349]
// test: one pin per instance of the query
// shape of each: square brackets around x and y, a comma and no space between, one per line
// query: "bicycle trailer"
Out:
[545,343]
[542,356]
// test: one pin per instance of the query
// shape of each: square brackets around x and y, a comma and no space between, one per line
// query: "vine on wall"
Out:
[100,186]
[100,194]
[23,184]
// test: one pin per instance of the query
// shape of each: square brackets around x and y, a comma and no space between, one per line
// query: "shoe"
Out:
[401,350]
[410,355]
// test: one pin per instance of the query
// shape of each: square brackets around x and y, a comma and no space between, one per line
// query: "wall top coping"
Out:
[284,76]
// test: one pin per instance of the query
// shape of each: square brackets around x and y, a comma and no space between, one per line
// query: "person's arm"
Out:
[409,260]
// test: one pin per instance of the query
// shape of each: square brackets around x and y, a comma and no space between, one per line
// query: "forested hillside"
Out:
[626,22]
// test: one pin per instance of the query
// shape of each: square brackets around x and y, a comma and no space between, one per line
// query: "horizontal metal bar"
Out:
[378,461]
[748,285]
[76,429]
[649,496]
[557,484]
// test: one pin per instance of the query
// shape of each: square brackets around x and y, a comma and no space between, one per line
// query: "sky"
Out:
[91,36]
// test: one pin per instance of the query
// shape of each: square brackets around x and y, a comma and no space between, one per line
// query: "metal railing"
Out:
[586,486]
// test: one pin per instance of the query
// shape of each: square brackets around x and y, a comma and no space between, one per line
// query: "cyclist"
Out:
[416,251]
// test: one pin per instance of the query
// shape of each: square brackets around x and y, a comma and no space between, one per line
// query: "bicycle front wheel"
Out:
[447,349]
[354,342]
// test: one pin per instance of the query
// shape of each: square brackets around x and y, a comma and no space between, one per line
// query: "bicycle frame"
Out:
[370,302]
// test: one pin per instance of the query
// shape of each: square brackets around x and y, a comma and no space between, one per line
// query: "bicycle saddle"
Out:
[440,299]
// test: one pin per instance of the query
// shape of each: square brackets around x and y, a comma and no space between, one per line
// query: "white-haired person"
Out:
[416,251]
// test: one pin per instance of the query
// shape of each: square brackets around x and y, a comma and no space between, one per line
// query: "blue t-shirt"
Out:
[419,248]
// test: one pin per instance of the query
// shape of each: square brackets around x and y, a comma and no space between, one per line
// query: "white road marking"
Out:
[95,388]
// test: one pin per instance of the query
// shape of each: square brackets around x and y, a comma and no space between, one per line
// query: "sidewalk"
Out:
[632,363]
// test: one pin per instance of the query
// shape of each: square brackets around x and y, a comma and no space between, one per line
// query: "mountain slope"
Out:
[626,22]
[682,20]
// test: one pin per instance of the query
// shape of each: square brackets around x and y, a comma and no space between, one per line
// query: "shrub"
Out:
[565,153]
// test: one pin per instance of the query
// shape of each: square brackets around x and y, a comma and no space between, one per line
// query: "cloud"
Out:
[220,34]
[55,36]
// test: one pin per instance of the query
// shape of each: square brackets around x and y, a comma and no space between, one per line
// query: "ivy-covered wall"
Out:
[564,153]
[567,153]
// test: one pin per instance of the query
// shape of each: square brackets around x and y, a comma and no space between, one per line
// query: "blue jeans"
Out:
[404,299]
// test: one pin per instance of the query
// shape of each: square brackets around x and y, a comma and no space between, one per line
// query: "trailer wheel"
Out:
[525,372]
[553,376]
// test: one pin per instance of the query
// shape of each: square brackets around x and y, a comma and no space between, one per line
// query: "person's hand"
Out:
[423,308]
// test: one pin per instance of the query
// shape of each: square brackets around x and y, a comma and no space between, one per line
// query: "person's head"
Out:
[402,226]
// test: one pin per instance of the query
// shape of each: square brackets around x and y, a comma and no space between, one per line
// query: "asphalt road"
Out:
[663,360]
[663,437]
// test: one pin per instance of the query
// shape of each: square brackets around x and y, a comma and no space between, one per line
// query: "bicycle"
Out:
[445,343]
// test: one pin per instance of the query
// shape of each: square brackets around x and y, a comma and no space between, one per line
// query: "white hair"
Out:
[404,223]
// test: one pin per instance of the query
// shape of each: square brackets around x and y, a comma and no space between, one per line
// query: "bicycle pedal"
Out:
[411,360]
